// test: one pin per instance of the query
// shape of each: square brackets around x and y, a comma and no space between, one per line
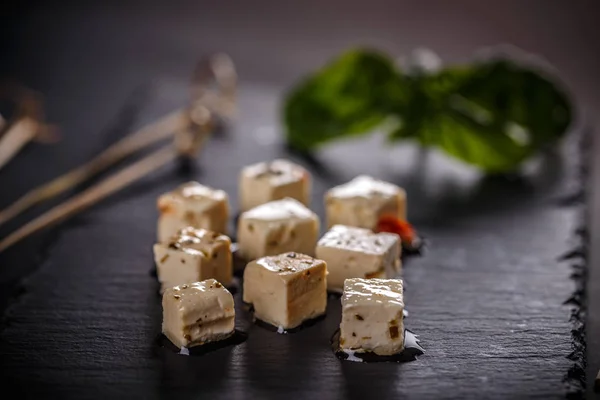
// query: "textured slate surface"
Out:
[486,298]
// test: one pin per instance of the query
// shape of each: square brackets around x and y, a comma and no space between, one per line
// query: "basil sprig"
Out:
[492,113]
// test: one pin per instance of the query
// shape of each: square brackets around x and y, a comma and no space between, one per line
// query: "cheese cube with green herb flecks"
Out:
[277,227]
[193,255]
[287,289]
[372,316]
[363,201]
[358,253]
[195,205]
[275,180]
[197,313]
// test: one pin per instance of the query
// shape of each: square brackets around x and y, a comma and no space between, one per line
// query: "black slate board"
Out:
[486,298]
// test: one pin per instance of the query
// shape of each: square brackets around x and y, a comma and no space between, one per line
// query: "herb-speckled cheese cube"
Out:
[197,313]
[358,253]
[267,181]
[363,201]
[195,205]
[193,255]
[372,316]
[286,289]
[277,227]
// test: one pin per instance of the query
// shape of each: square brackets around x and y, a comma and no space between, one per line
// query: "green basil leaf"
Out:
[350,96]
[518,95]
[493,115]
[466,139]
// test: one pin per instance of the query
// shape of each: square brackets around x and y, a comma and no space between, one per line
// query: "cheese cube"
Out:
[286,289]
[362,201]
[275,180]
[197,313]
[193,255]
[195,205]
[372,316]
[276,227]
[358,253]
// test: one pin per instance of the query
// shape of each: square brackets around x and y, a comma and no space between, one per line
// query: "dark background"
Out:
[92,59]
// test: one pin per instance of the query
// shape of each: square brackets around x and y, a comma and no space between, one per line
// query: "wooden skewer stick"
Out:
[200,127]
[15,138]
[220,67]
[92,195]
[190,128]
[26,126]
[18,134]
[159,130]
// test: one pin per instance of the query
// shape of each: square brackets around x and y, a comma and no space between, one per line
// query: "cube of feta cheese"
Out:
[358,253]
[286,289]
[372,316]
[277,227]
[362,201]
[195,205]
[193,255]
[275,180]
[197,313]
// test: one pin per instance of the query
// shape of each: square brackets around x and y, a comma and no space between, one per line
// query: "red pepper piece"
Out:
[392,224]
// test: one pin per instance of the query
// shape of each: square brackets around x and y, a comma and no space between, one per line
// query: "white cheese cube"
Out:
[286,289]
[275,180]
[193,255]
[372,316]
[362,201]
[358,253]
[276,227]
[195,205]
[197,313]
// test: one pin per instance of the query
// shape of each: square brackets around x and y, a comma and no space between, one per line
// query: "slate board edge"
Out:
[575,377]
